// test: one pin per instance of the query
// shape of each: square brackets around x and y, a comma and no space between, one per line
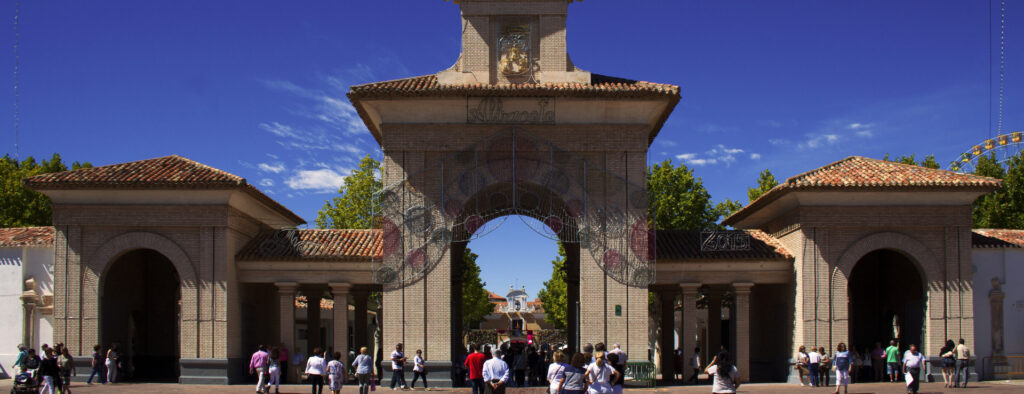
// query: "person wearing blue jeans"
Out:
[815,360]
[398,368]
[97,366]
[963,359]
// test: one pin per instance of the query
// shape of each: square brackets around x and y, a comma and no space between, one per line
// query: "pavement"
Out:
[860,388]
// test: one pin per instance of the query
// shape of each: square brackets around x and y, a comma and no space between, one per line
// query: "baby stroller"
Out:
[25,383]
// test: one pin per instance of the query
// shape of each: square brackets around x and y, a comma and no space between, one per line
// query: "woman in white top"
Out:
[336,373]
[111,364]
[316,368]
[600,375]
[726,376]
[419,370]
[275,369]
[556,372]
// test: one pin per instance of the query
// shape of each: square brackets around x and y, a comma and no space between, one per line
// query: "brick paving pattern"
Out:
[974,388]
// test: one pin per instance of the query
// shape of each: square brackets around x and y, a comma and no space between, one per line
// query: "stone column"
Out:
[995,302]
[688,339]
[742,313]
[668,364]
[340,292]
[286,303]
[359,323]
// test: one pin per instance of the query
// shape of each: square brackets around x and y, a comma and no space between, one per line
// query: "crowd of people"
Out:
[879,365]
[52,372]
[595,370]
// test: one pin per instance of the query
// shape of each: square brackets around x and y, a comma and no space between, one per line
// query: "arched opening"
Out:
[141,313]
[887,300]
[515,261]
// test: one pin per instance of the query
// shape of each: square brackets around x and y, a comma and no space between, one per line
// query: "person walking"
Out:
[495,374]
[892,360]
[258,364]
[575,381]
[842,364]
[316,368]
[96,364]
[50,371]
[364,370]
[878,362]
[802,366]
[274,370]
[814,358]
[963,360]
[336,374]
[948,355]
[398,368]
[600,375]
[695,366]
[19,363]
[726,376]
[282,361]
[912,363]
[823,367]
[475,365]
[66,363]
[111,364]
[419,370]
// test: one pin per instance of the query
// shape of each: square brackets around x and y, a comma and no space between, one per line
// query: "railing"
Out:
[1003,367]
[640,373]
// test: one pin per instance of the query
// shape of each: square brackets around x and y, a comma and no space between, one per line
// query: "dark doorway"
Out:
[141,313]
[887,300]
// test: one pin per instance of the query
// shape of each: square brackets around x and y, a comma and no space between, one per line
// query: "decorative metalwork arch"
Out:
[468,193]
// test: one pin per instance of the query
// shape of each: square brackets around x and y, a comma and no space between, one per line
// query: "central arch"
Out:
[887,300]
[141,313]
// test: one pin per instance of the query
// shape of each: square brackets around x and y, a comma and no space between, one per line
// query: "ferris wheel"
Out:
[1003,148]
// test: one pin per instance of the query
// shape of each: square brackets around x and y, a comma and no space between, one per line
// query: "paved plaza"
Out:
[974,388]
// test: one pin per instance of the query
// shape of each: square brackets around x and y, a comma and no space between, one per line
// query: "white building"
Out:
[998,257]
[26,291]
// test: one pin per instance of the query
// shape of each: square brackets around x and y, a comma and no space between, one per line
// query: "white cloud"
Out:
[701,162]
[755,156]
[275,168]
[865,134]
[859,126]
[819,140]
[777,141]
[686,156]
[324,179]
[265,182]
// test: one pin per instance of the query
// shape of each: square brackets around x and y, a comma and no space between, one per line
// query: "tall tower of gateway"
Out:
[513,128]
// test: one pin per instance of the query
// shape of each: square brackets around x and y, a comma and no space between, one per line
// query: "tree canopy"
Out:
[475,303]
[764,183]
[554,294]
[353,208]
[680,201]
[929,161]
[23,207]
[1001,208]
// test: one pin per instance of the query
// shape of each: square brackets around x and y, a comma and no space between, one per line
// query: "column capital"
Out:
[286,287]
[690,287]
[742,287]
[340,288]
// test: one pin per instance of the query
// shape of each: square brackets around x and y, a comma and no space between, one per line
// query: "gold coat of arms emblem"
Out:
[514,50]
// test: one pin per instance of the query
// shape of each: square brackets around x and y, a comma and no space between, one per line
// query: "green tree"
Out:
[353,208]
[764,183]
[554,294]
[929,161]
[988,209]
[475,303]
[23,207]
[679,200]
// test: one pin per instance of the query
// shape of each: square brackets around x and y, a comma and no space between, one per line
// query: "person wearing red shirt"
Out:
[475,365]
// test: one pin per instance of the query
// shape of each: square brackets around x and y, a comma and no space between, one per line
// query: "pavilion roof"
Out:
[26,236]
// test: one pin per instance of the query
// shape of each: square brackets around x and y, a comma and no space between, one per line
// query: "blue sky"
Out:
[257,87]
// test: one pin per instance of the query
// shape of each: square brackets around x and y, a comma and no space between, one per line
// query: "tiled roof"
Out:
[492,296]
[862,173]
[168,172]
[427,86]
[313,244]
[686,245]
[361,245]
[26,236]
[997,238]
